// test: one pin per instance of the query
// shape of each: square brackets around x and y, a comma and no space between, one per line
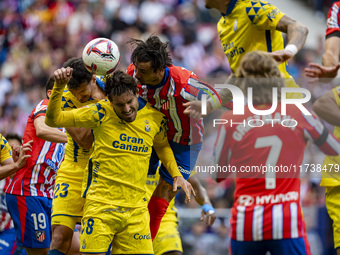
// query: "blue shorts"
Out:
[32,220]
[185,155]
[7,241]
[292,246]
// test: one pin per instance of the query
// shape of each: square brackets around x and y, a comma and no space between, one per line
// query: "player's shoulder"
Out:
[256,9]
[180,74]
[4,145]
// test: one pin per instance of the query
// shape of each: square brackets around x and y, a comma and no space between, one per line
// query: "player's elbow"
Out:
[50,121]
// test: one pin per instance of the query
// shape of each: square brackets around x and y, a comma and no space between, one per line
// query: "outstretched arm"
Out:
[296,33]
[47,133]
[208,212]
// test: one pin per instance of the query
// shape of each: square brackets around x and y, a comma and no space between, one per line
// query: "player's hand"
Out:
[20,163]
[194,109]
[315,70]
[281,55]
[179,181]
[62,76]
[208,214]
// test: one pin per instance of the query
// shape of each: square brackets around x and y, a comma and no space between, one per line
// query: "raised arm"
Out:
[55,117]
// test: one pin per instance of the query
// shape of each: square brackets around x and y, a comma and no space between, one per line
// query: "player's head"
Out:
[14,139]
[122,92]
[150,59]
[82,81]
[259,71]
[49,86]
[220,5]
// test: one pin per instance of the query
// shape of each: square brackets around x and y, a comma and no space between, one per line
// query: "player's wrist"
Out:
[212,104]
[292,48]
[208,208]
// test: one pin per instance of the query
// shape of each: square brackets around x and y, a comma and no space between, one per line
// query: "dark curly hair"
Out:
[119,83]
[153,50]
[79,74]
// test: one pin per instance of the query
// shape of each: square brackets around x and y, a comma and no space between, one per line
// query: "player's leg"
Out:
[67,205]
[32,222]
[98,227]
[133,236]
[186,157]
[75,245]
[332,204]
[167,240]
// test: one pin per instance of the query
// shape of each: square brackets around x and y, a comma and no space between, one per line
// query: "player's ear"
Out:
[94,79]
[48,93]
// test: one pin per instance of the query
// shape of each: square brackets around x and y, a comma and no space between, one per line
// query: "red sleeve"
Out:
[130,70]
[40,109]
[333,19]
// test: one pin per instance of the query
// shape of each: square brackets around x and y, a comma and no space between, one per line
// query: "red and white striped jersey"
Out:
[333,20]
[178,86]
[6,221]
[267,161]
[38,175]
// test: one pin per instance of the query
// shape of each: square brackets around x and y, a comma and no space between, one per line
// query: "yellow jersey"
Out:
[73,151]
[5,149]
[331,176]
[250,25]
[118,166]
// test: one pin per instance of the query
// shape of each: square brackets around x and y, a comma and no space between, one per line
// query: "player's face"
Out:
[83,93]
[126,106]
[13,142]
[146,75]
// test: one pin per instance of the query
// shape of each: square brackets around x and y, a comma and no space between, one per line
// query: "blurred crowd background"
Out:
[38,36]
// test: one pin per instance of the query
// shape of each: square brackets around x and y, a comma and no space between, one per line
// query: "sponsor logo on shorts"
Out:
[142,237]
[40,235]
[184,171]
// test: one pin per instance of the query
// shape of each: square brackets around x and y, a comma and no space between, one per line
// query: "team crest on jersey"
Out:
[83,245]
[40,235]
[147,128]
[165,104]
[235,25]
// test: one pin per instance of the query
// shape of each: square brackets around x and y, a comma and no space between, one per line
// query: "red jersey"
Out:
[38,175]
[267,160]
[178,86]
[333,21]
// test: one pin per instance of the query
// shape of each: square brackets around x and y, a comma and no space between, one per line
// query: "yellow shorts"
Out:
[68,203]
[333,208]
[167,238]
[126,228]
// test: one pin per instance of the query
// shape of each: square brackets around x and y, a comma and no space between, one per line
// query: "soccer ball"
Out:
[101,56]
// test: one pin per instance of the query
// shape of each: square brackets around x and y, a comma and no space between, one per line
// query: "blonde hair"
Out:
[260,71]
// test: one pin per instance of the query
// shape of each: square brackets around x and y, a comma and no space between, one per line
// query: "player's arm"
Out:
[202,198]
[327,109]
[166,155]
[47,133]
[55,117]
[330,61]
[296,35]
[82,136]
[9,167]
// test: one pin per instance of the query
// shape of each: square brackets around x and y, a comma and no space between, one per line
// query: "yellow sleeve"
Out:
[165,153]
[5,152]
[263,15]
[336,93]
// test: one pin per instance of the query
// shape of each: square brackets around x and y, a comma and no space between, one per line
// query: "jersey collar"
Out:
[165,79]
[231,7]
[141,102]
